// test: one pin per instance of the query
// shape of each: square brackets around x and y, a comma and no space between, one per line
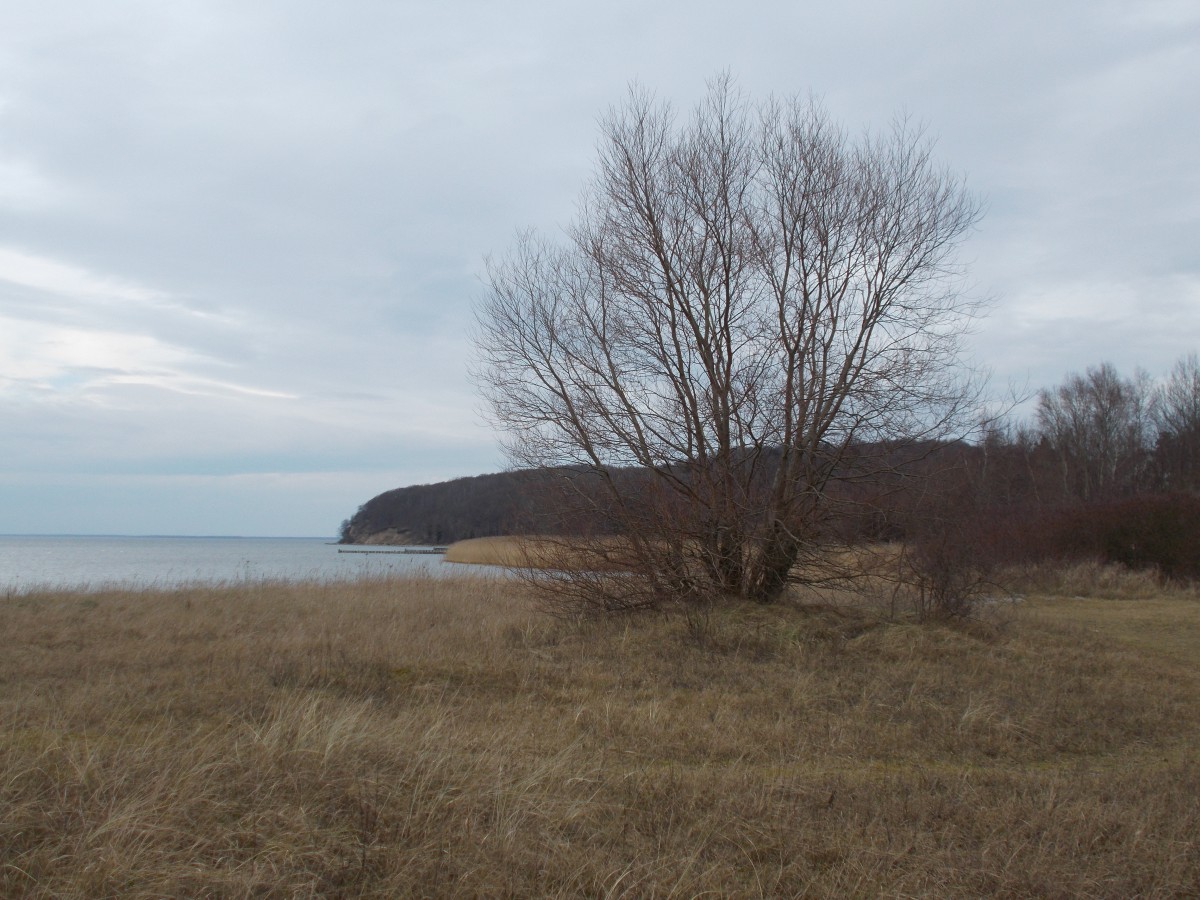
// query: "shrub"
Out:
[1159,532]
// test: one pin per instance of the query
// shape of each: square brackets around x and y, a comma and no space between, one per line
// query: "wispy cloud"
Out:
[65,279]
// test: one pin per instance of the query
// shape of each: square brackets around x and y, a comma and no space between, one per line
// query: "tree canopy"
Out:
[747,298]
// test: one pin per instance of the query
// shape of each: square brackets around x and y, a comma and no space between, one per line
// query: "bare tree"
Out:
[1098,425]
[747,301]
[1176,412]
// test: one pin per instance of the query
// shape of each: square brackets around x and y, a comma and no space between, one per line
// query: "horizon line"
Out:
[278,537]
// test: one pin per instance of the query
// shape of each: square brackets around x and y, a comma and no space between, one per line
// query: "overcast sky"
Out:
[240,241]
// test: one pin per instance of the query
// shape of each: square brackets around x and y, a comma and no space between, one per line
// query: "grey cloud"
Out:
[307,191]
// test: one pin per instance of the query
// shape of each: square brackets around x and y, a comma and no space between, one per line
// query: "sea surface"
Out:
[28,562]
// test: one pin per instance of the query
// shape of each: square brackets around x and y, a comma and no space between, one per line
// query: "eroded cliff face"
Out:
[387,537]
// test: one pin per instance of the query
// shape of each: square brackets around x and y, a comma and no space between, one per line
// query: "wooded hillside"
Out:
[441,513]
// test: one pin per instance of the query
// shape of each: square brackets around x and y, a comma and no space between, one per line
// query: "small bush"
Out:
[947,571]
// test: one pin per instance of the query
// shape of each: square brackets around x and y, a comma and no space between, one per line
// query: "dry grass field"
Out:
[439,738]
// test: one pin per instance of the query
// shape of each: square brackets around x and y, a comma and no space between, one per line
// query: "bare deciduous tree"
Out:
[1098,426]
[1176,410]
[746,302]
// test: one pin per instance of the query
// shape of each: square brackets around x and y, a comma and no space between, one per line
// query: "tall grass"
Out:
[437,737]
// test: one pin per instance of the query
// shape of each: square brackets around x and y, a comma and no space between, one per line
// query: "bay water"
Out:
[29,562]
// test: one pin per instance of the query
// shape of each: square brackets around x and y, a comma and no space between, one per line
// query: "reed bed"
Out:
[503,550]
[540,552]
[435,737]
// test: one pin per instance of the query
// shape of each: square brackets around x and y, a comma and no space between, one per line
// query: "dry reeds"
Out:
[506,550]
[541,552]
[437,738]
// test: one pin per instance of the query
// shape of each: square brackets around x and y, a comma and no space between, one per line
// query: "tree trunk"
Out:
[771,565]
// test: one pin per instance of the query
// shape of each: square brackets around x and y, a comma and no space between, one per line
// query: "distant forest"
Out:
[431,514]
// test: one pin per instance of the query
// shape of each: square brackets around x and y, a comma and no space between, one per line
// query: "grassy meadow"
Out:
[442,738]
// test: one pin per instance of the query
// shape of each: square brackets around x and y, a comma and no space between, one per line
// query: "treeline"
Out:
[1107,467]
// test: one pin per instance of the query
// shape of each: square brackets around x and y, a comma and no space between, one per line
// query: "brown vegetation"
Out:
[564,553]
[436,737]
[511,550]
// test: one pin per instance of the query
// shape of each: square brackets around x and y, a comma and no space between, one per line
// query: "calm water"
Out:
[61,561]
